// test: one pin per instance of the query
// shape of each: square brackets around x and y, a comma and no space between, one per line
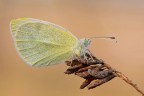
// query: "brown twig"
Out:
[122,76]
[96,72]
[125,78]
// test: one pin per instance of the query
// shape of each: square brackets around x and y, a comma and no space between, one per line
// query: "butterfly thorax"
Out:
[81,48]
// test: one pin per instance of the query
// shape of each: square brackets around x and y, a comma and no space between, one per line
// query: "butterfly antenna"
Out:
[112,38]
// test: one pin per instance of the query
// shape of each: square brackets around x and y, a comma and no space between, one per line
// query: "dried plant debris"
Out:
[95,72]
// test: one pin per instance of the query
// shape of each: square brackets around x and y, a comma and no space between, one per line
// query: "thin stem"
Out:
[126,79]
[122,76]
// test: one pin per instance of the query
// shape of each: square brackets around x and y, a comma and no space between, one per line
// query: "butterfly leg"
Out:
[85,57]
[90,54]
[72,59]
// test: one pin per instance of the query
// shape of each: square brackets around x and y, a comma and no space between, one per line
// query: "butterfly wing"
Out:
[41,43]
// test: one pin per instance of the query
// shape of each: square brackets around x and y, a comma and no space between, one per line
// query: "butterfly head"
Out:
[82,47]
[85,42]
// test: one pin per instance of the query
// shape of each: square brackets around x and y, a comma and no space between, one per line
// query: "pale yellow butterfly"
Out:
[42,43]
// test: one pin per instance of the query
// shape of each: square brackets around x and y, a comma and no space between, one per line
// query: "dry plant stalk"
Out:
[95,72]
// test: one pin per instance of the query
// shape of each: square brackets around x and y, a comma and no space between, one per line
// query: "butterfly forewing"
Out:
[42,43]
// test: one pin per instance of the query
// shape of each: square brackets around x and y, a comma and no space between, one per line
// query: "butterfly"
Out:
[41,43]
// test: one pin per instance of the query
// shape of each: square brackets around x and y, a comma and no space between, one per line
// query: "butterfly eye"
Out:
[87,42]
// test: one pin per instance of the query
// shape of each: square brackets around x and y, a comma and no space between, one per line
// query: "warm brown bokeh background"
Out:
[123,19]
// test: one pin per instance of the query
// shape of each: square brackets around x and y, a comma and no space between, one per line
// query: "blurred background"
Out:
[123,19]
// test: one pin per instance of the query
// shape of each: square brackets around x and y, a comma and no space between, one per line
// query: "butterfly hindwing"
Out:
[42,43]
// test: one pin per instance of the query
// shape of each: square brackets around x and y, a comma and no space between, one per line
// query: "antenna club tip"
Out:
[112,37]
